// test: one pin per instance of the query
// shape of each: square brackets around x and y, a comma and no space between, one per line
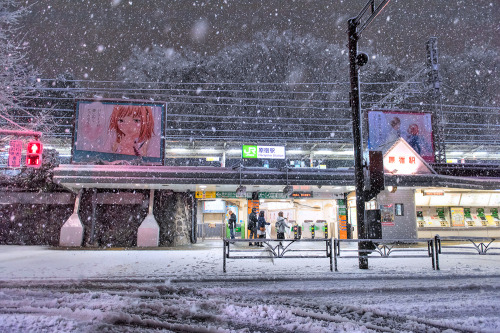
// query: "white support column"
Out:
[148,234]
[72,229]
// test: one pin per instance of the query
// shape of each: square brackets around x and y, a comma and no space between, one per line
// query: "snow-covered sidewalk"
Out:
[184,290]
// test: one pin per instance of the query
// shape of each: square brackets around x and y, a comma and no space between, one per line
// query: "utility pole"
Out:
[355,28]
[434,88]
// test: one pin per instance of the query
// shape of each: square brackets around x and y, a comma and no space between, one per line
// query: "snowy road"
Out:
[255,296]
[462,304]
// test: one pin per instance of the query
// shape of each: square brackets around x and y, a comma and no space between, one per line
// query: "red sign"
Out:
[16,146]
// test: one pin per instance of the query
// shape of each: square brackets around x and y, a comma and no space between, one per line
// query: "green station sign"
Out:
[264,152]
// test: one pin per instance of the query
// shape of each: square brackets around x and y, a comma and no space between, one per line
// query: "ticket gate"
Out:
[297,231]
[306,229]
[239,230]
[320,229]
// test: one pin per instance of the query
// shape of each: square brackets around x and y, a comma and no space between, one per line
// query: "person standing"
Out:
[281,224]
[414,139]
[395,131]
[231,223]
[252,225]
[261,228]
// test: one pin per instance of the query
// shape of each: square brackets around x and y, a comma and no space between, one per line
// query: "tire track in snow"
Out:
[117,306]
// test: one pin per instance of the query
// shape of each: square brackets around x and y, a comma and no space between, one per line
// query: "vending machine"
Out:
[432,217]
[442,217]
[493,218]
[420,219]
[480,217]
[471,220]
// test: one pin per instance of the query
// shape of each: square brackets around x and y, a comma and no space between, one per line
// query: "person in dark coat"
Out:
[252,224]
[261,228]
[231,223]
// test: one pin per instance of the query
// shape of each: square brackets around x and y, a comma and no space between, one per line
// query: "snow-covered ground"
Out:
[185,290]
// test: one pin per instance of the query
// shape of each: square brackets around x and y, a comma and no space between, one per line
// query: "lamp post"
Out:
[355,28]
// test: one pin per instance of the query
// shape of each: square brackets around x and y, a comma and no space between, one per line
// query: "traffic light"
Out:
[34,155]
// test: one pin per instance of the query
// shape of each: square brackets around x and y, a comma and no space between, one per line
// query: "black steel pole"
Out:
[358,139]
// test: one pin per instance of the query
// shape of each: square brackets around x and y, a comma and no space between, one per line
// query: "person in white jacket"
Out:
[281,224]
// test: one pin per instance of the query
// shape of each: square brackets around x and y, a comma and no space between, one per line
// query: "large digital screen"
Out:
[119,130]
[385,127]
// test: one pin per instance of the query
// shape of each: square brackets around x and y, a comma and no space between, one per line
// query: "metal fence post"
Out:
[437,245]
[224,256]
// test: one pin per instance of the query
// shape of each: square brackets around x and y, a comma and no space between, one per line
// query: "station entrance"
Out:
[307,217]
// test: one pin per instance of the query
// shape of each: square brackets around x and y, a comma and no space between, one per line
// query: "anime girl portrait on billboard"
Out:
[385,127]
[114,131]
[133,127]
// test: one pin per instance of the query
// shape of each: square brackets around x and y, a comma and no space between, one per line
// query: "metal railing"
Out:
[277,248]
[480,246]
[382,248]
[386,248]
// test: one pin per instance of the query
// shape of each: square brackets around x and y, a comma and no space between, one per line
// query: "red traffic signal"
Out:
[34,155]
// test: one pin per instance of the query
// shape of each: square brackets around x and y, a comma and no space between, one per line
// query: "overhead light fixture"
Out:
[323,152]
[207,150]
[392,189]
[288,190]
[344,152]
[178,150]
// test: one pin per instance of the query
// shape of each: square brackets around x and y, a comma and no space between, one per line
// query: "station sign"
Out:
[205,195]
[264,152]
[402,159]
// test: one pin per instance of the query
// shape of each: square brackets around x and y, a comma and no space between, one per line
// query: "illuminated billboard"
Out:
[385,127]
[119,130]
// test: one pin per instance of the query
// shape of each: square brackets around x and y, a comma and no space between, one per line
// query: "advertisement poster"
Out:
[112,131]
[387,215]
[457,217]
[385,127]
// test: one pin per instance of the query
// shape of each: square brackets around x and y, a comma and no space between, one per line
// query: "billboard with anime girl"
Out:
[119,130]
[385,127]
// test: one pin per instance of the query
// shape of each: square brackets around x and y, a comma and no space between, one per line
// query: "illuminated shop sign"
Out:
[401,159]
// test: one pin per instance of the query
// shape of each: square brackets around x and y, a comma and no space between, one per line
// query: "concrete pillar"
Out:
[72,229]
[148,234]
